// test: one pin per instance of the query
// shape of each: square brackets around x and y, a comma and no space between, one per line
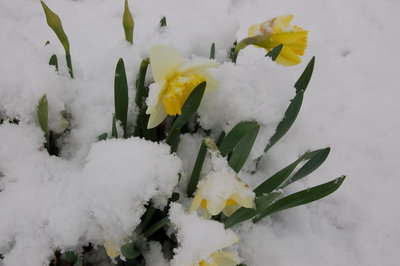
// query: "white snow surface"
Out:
[350,105]
[198,238]
[51,203]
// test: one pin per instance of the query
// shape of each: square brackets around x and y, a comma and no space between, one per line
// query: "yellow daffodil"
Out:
[278,31]
[220,258]
[174,80]
[222,191]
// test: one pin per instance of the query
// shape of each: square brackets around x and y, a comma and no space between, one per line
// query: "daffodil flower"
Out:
[174,80]
[220,258]
[222,191]
[278,31]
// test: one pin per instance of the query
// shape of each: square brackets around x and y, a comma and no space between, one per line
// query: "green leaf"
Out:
[129,251]
[121,95]
[287,121]
[275,52]
[274,181]
[128,23]
[53,61]
[239,216]
[243,149]
[188,110]
[54,22]
[114,132]
[234,136]
[302,197]
[316,158]
[212,51]
[163,22]
[198,165]
[302,83]
[42,116]
[141,92]
[244,214]
[155,227]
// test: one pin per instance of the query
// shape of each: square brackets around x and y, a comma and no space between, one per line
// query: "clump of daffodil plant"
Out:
[176,92]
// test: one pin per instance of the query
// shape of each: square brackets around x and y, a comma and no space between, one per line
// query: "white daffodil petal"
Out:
[189,68]
[212,83]
[155,91]
[164,62]
[206,214]
[225,258]
[215,207]
[247,201]
[196,202]
[157,115]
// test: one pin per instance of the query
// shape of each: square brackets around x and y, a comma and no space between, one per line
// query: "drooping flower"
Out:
[222,191]
[174,80]
[278,31]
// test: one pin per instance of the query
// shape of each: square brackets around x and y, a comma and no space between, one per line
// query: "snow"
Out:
[104,200]
[350,105]
[199,238]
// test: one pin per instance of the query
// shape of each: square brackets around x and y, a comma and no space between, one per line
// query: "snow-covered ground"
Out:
[350,105]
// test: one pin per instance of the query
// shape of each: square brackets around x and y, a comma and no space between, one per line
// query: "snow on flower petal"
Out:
[222,191]
[201,242]
[174,80]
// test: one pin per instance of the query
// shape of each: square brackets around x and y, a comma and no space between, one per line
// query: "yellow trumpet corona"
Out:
[174,80]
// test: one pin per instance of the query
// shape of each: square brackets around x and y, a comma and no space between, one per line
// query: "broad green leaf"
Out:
[188,110]
[212,51]
[242,150]
[198,165]
[141,92]
[244,214]
[315,161]
[128,23]
[302,197]
[275,52]
[316,158]
[287,121]
[274,181]
[54,21]
[163,22]
[234,136]
[53,61]
[114,132]
[302,83]
[155,227]
[42,115]
[129,251]
[121,95]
